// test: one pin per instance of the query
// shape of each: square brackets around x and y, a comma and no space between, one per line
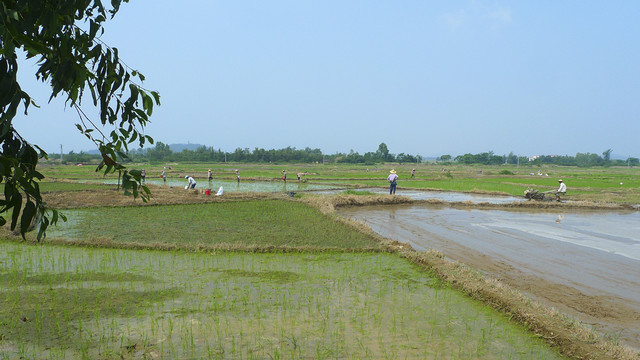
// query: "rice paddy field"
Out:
[603,184]
[61,302]
[238,224]
[249,277]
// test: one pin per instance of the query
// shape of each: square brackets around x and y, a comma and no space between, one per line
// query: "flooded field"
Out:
[585,263]
[242,186]
[451,196]
[71,303]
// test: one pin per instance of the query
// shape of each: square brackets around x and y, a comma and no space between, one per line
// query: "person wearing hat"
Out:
[191,182]
[561,190]
[392,179]
[237,175]
[209,175]
[413,173]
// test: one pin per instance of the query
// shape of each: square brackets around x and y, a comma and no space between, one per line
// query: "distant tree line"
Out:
[163,153]
[580,159]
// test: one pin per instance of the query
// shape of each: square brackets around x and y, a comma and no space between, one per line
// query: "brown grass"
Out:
[328,203]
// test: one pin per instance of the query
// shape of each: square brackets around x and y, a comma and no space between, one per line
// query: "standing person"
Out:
[209,175]
[191,184]
[238,175]
[164,176]
[393,181]
[143,175]
[561,190]
[284,175]
[413,173]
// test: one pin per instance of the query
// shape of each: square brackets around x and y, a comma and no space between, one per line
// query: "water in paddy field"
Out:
[441,195]
[242,186]
[585,259]
[112,303]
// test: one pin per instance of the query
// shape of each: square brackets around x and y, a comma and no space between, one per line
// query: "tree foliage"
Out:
[64,37]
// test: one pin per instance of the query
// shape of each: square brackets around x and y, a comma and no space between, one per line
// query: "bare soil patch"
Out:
[160,195]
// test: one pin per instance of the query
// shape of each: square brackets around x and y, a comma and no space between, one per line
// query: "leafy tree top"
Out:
[64,37]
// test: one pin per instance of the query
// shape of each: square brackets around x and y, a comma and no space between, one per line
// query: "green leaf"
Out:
[17,205]
[42,232]
[156,96]
[28,213]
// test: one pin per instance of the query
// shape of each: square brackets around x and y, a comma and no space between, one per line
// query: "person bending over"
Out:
[561,190]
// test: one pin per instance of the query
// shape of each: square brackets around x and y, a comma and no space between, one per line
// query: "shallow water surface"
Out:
[441,195]
[586,261]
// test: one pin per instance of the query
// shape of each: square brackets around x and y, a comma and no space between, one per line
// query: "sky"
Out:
[425,77]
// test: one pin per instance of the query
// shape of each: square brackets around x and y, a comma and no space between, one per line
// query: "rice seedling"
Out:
[109,302]
[275,223]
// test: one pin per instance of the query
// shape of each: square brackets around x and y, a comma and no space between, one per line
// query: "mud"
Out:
[585,263]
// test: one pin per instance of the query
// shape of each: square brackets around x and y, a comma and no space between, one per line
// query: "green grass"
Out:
[278,223]
[65,302]
[586,183]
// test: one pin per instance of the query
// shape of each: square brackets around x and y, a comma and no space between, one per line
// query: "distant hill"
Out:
[180,147]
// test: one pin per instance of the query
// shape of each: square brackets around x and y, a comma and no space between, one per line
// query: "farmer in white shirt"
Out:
[191,182]
[392,180]
[561,190]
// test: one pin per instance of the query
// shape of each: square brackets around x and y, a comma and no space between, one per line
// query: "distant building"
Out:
[531,158]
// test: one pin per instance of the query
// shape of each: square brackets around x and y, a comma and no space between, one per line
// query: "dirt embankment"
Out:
[160,195]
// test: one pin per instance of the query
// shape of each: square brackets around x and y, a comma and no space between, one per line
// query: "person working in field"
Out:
[561,190]
[238,175]
[209,175]
[392,179]
[191,182]
[413,173]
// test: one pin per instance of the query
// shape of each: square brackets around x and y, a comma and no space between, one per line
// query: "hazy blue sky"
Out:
[425,77]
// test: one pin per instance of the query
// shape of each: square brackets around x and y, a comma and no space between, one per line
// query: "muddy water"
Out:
[585,263]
